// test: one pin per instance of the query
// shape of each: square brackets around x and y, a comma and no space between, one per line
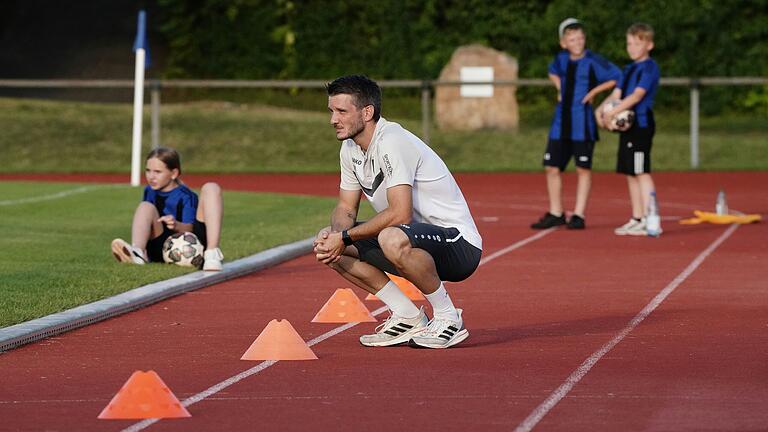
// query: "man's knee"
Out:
[393,242]
[334,266]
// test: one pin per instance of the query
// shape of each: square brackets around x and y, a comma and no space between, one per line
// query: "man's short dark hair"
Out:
[364,92]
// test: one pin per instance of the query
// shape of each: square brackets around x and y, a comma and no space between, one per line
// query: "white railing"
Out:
[426,86]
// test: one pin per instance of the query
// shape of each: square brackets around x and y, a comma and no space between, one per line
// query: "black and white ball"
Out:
[621,121]
[183,249]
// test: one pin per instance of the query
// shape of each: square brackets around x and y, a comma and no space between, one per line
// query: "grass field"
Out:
[56,254]
[222,137]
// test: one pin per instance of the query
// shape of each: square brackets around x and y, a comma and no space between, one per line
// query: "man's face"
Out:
[574,41]
[346,118]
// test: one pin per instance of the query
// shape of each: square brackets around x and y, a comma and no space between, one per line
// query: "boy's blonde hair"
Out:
[641,31]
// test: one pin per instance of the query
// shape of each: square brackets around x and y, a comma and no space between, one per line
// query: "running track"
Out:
[569,331]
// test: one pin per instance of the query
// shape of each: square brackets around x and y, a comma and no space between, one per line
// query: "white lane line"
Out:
[264,365]
[516,245]
[537,414]
[57,195]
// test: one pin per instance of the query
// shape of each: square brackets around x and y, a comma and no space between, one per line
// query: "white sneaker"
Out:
[396,330]
[124,252]
[624,229]
[638,229]
[212,259]
[441,333]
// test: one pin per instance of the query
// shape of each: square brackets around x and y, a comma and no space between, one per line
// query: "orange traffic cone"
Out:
[144,396]
[279,341]
[343,307]
[405,286]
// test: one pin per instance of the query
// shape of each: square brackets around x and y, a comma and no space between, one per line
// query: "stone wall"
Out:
[497,111]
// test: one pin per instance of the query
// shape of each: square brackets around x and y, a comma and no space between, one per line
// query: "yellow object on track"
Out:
[715,218]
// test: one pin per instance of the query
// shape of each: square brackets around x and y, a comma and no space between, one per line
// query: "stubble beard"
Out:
[356,130]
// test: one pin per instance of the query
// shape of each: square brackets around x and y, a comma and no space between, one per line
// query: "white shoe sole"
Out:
[403,338]
[212,268]
[460,336]
[121,251]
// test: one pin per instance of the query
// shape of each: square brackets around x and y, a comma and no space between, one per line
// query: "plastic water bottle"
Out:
[721,206]
[653,220]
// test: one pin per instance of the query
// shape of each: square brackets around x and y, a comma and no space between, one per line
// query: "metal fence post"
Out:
[695,84]
[155,91]
[426,101]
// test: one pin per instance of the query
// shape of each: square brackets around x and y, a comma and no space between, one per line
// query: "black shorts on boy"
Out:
[559,153]
[155,245]
[634,155]
[455,258]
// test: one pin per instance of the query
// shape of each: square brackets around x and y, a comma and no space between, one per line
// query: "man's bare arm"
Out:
[330,246]
[399,211]
[345,213]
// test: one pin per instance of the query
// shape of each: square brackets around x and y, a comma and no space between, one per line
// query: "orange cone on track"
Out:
[279,341]
[343,307]
[405,286]
[144,396]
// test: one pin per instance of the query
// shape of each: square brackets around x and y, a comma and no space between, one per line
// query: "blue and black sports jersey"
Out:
[645,75]
[573,120]
[180,202]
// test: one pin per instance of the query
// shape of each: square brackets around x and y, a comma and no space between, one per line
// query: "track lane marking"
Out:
[266,364]
[57,195]
[556,396]
[516,245]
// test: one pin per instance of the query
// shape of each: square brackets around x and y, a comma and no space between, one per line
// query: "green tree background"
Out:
[401,39]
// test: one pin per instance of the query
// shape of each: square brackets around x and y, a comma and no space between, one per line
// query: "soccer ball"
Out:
[183,249]
[621,121]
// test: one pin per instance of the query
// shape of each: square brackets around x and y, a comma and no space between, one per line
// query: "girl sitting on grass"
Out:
[169,207]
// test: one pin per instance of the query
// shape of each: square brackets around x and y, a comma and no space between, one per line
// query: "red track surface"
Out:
[535,314]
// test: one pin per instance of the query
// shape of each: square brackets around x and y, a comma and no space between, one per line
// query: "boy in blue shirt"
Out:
[638,88]
[579,75]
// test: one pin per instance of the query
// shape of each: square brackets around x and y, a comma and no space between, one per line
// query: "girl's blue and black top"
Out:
[181,202]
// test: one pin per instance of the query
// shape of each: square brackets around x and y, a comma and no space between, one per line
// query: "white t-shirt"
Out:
[396,156]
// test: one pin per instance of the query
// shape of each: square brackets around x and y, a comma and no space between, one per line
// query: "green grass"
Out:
[56,253]
[226,137]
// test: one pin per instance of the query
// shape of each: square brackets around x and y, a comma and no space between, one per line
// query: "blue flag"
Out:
[141,37]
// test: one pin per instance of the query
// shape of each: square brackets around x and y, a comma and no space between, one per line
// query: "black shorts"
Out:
[634,155]
[559,153]
[155,245]
[455,258]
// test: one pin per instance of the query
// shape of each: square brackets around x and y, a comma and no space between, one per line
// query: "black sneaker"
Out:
[548,221]
[576,223]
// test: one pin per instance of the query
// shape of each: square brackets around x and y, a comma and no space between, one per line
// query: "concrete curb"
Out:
[30,331]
